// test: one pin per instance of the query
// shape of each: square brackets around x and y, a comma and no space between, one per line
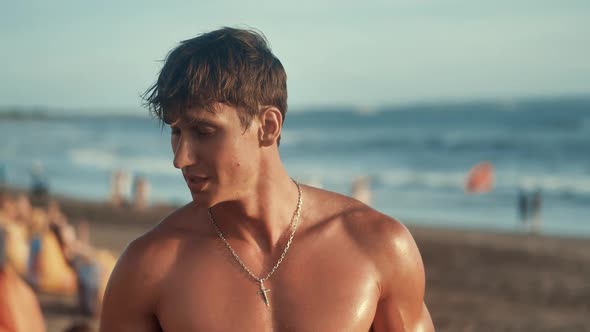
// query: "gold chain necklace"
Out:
[294,223]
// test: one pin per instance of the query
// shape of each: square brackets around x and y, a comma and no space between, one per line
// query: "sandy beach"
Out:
[476,281]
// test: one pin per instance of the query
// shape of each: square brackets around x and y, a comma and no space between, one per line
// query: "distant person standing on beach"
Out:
[523,206]
[141,192]
[255,250]
[2,176]
[119,181]
[361,189]
[536,206]
[39,184]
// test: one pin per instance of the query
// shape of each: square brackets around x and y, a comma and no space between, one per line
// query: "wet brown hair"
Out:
[229,65]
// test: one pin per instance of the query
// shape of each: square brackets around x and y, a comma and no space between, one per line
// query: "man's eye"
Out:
[204,132]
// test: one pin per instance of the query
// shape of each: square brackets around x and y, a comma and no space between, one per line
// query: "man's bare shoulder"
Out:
[386,240]
[188,219]
[362,220]
[140,275]
[159,246]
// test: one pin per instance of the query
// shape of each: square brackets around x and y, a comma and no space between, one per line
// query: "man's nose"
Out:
[184,153]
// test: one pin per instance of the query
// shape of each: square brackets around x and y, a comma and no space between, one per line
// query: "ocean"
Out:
[416,156]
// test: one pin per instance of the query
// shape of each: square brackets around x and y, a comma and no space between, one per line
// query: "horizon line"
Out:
[132,110]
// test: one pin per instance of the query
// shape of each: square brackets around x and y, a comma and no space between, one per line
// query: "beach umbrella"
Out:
[480,178]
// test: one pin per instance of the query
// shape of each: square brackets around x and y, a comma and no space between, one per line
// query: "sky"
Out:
[104,54]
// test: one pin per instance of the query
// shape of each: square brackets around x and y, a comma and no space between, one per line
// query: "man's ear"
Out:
[271,124]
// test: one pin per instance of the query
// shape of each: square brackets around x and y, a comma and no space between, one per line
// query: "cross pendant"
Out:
[263,291]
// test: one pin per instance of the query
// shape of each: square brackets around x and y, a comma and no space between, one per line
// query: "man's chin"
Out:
[202,200]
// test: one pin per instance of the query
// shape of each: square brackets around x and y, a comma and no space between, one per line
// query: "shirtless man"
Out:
[254,250]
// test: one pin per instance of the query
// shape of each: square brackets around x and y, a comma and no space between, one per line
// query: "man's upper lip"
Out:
[194,178]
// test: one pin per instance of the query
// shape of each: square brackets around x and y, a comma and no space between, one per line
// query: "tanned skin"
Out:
[349,268]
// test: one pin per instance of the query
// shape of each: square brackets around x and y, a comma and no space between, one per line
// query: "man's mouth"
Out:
[196,183]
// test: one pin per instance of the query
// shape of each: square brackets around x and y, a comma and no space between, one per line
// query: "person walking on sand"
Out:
[255,250]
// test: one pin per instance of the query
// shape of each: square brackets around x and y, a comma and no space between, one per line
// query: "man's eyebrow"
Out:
[198,120]
[193,120]
[190,119]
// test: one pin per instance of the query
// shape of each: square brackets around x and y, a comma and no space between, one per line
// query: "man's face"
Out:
[219,159]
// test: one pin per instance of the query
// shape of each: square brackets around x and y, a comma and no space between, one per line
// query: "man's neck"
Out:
[263,217]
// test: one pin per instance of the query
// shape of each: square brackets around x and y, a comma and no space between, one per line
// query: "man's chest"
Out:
[309,292]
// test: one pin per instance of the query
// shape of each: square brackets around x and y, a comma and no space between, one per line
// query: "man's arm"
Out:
[131,295]
[401,306]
